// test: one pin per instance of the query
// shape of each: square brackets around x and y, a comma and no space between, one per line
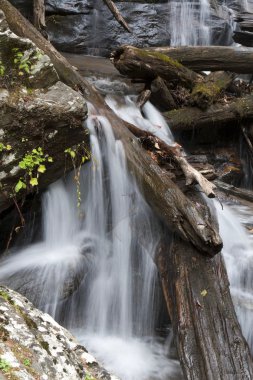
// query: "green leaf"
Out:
[42,169]
[50,159]
[8,147]
[72,153]
[34,181]
[20,185]
[203,293]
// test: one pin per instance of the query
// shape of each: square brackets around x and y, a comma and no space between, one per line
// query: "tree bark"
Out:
[39,14]
[192,175]
[148,65]
[211,58]
[166,199]
[161,96]
[208,336]
[245,194]
[216,116]
[206,93]
[117,15]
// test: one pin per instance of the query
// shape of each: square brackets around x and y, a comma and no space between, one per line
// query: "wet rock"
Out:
[88,26]
[33,346]
[41,117]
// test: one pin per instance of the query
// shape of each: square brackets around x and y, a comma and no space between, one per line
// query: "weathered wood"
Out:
[216,116]
[206,93]
[161,96]
[166,199]
[211,58]
[235,191]
[110,4]
[148,65]
[39,10]
[208,336]
[143,98]
[175,151]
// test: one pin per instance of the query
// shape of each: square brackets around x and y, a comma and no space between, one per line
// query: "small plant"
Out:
[5,147]
[80,153]
[4,365]
[27,362]
[2,69]
[88,376]
[23,63]
[33,163]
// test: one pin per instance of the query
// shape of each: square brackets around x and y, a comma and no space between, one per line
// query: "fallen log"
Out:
[148,65]
[110,4]
[207,334]
[245,194]
[166,199]
[216,116]
[206,93]
[175,151]
[211,58]
[161,96]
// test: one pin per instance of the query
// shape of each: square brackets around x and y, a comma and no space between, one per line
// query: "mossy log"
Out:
[207,92]
[166,199]
[207,334]
[211,58]
[148,65]
[188,118]
[39,14]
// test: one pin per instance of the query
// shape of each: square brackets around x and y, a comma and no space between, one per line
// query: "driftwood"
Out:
[207,334]
[166,199]
[206,93]
[211,58]
[148,65]
[110,4]
[216,116]
[192,175]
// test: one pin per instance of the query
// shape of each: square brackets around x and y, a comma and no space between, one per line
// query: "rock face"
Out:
[88,27]
[34,347]
[41,118]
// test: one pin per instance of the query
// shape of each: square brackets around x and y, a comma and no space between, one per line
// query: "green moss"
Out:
[45,345]
[162,57]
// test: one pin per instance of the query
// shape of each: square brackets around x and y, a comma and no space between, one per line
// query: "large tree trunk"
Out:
[213,58]
[148,65]
[179,213]
[217,115]
[170,204]
[208,336]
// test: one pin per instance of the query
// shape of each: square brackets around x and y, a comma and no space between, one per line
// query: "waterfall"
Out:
[238,255]
[189,22]
[94,271]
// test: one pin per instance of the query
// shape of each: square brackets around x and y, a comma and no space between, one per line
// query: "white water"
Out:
[189,22]
[238,255]
[93,271]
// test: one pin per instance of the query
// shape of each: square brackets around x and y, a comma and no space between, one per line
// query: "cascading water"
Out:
[189,22]
[93,271]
